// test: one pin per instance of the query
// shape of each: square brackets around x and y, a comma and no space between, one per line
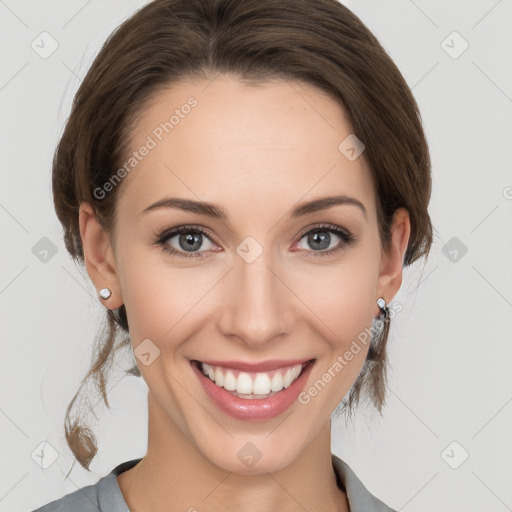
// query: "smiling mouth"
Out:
[251,385]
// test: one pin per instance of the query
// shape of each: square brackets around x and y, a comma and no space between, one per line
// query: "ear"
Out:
[390,273]
[99,256]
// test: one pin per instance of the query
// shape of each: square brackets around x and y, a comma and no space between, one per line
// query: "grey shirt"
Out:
[105,495]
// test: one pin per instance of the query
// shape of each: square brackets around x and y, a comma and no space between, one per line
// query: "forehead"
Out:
[222,140]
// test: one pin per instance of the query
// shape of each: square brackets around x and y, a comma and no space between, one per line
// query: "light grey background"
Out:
[450,348]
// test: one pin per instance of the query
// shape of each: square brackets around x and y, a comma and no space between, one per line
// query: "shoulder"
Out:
[359,498]
[83,500]
[103,496]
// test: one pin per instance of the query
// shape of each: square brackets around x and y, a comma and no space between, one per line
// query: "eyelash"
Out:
[347,238]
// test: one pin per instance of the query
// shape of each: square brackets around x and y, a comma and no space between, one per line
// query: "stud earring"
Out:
[382,305]
[105,293]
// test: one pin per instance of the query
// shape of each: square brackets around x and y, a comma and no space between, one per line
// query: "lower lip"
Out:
[256,408]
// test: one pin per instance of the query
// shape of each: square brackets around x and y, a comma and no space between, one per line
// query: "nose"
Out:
[257,305]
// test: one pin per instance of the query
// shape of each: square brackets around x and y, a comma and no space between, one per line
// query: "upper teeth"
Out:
[260,383]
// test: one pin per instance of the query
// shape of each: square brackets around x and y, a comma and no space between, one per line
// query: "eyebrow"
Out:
[217,212]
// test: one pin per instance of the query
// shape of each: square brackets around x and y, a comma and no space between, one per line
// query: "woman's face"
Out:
[257,285]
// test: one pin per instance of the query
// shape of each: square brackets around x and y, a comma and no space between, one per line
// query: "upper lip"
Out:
[262,366]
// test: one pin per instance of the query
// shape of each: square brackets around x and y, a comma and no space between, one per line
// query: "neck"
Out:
[174,475]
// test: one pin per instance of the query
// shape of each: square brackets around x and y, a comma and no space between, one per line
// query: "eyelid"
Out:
[172,232]
[322,225]
[347,238]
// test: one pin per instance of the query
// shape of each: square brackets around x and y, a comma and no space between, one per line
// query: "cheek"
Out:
[341,296]
[160,299]
[341,302]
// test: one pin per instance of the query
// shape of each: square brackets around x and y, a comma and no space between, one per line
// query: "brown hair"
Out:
[317,42]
